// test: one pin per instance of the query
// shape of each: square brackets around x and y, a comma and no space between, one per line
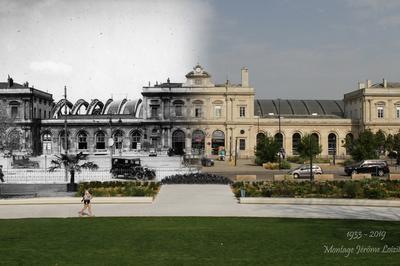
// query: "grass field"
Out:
[193,241]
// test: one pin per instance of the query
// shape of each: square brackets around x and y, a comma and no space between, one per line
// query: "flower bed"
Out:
[363,189]
[120,189]
[196,178]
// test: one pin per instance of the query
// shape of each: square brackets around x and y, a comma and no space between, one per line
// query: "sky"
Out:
[310,49]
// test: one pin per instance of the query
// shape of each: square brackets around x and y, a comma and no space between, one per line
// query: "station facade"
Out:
[198,117]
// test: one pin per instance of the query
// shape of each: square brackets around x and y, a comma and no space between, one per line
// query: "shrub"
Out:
[370,189]
[117,188]
[197,178]
[285,164]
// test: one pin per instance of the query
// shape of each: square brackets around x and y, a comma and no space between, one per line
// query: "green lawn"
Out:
[191,241]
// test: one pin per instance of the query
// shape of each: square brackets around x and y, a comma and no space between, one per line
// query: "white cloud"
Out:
[50,67]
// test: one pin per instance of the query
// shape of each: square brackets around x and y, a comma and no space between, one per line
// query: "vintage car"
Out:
[131,168]
[23,162]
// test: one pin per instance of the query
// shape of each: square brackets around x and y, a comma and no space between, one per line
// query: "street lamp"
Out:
[311,155]
[110,141]
[279,131]
[65,131]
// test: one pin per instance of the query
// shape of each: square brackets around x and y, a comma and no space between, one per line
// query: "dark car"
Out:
[207,161]
[131,169]
[23,162]
[373,167]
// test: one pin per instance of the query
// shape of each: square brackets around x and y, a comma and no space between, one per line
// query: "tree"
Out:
[380,140]
[5,124]
[365,146]
[72,163]
[266,150]
[309,146]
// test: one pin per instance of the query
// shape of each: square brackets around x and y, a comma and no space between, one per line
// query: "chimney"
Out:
[361,85]
[10,81]
[368,83]
[26,84]
[245,77]
[384,83]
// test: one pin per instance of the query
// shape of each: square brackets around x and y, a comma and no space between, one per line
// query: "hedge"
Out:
[363,189]
[119,188]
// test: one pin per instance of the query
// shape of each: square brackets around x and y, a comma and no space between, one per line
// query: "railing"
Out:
[41,176]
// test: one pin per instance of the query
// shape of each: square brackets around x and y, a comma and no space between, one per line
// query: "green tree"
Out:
[266,150]
[72,162]
[309,146]
[380,139]
[365,146]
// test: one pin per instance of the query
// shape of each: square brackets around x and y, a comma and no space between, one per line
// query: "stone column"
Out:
[169,137]
[162,137]
[188,146]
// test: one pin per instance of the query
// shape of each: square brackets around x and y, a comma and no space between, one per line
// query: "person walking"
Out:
[86,203]
[1,174]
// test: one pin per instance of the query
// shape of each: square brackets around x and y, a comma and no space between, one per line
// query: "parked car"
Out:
[23,162]
[304,171]
[374,167]
[131,168]
[207,161]
[153,152]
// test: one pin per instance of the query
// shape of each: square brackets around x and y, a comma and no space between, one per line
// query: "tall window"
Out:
[82,141]
[118,140]
[380,111]
[100,141]
[135,140]
[14,111]
[398,112]
[242,111]
[198,111]
[217,111]
[296,139]
[178,110]
[242,144]
[46,143]
[332,144]
[154,112]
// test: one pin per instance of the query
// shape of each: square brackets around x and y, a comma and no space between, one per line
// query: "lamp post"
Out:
[279,131]
[65,131]
[236,140]
[110,141]
[311,155]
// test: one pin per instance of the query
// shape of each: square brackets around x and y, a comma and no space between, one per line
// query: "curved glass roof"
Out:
[266,107]
[113,108]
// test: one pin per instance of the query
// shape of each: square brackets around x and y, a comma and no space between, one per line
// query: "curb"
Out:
[314,201]
[76,200]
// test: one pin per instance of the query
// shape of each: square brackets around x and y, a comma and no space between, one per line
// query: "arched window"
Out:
[46,141]
[178,142]
[279,139]
[100,141]
[118,138]
[82,141]
[198,141]
[316,137]
[135,140]
[217,141]
[259,137]
[296,139]
[332,144]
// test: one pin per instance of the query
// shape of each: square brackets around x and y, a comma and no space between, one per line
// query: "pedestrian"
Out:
[1,174]
[86,203]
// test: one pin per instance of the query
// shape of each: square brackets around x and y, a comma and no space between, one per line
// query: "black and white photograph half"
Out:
[199,132]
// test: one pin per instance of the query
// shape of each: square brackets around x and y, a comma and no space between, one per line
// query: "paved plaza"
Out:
[197,200]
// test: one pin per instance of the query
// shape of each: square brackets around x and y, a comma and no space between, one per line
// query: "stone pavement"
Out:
[200,200]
